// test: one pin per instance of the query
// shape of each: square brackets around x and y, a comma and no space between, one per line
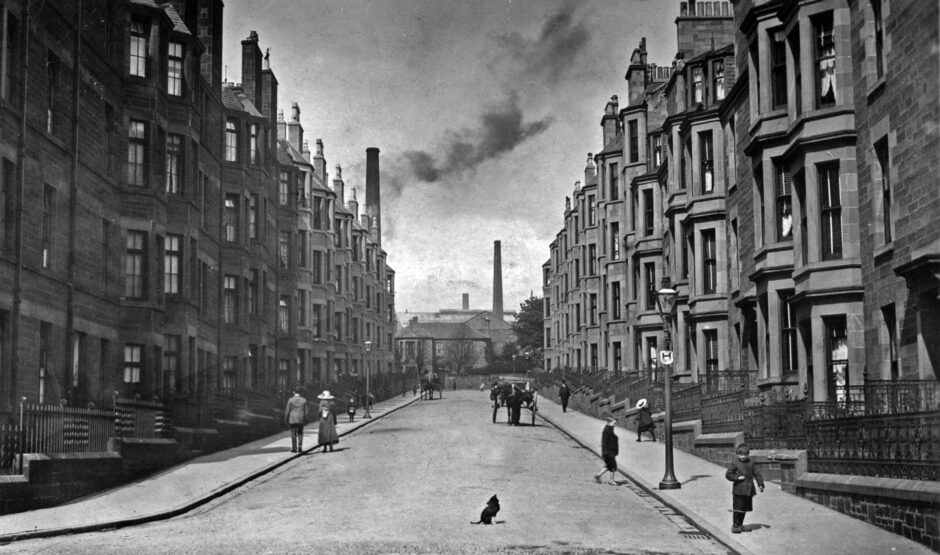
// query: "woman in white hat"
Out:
[326,435]
[644,420]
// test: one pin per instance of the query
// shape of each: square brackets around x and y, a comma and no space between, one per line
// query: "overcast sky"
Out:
[483,110]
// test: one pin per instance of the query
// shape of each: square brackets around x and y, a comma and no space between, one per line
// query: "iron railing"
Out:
[723,412]
[60,429]
[686,402]
[895,446]
[901,396]
[136,418]
[731,380]
[776,426]
[11,450]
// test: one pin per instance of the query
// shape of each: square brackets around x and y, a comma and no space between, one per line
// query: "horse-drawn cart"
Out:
[513,393]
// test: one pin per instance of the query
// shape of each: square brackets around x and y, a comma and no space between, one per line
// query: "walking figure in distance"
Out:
[295,414]
[564,393]
[609,449]
[351,409]
[644,420]
[743,473]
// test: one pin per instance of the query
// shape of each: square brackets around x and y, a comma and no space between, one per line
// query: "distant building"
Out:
[440,346]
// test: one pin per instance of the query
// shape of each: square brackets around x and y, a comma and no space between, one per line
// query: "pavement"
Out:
[181,488]
[781,523]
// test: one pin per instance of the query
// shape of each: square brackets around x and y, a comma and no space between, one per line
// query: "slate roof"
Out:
[178,25]
[442,331]
[233,99]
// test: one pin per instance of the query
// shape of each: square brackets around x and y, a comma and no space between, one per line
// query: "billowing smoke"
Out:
[546,57]
[501,130]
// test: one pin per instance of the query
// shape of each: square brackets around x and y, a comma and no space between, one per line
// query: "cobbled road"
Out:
[411,483]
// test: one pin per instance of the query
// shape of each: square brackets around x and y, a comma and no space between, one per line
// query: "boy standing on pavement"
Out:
[743,473]
[295,414]
[609,450]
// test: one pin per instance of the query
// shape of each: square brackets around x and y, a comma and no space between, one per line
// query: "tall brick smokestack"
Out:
[373,199]
[497,280]
[466,301]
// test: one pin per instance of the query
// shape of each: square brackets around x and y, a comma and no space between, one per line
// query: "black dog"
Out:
[487,515]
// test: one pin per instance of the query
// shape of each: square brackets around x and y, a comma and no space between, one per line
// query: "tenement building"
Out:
[162,233]
[781,177]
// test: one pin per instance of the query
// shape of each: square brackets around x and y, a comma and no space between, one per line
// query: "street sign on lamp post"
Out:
[666,299]
[368,394]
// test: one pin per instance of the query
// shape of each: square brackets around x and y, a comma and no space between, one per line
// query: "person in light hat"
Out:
[644,421]
[326,435]
[609,449]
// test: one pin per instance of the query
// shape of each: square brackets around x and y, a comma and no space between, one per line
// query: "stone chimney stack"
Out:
[637,75]
[353,205]
[373,196]
[209,30]
[281,126]
[319,161]
[268,105]
[703,26]
[497,280]
[611,120]
[339,186]
[466,301]
[295,131]
[590,169]
[251,69]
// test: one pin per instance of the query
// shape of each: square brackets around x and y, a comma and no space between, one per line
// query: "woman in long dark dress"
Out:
[326,434]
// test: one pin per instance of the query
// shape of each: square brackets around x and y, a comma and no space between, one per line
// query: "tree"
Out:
[529,325]
[462,352]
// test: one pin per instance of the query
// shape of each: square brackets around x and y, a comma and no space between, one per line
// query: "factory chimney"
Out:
[497,280]
[373,199]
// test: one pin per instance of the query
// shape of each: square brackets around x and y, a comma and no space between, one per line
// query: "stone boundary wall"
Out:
[909,508]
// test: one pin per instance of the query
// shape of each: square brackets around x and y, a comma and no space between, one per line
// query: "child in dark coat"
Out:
[743,473]
[609,450]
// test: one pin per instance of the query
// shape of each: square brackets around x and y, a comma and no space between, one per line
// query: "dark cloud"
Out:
[502,128]
[556,48]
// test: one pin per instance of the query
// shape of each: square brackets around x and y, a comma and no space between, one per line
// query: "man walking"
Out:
[564,393]
[295,414]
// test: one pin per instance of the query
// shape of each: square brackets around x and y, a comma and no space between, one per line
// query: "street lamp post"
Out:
[368,394]
[666,299]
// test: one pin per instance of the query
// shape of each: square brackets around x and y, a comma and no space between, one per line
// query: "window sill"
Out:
[884,253]
[876,89]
